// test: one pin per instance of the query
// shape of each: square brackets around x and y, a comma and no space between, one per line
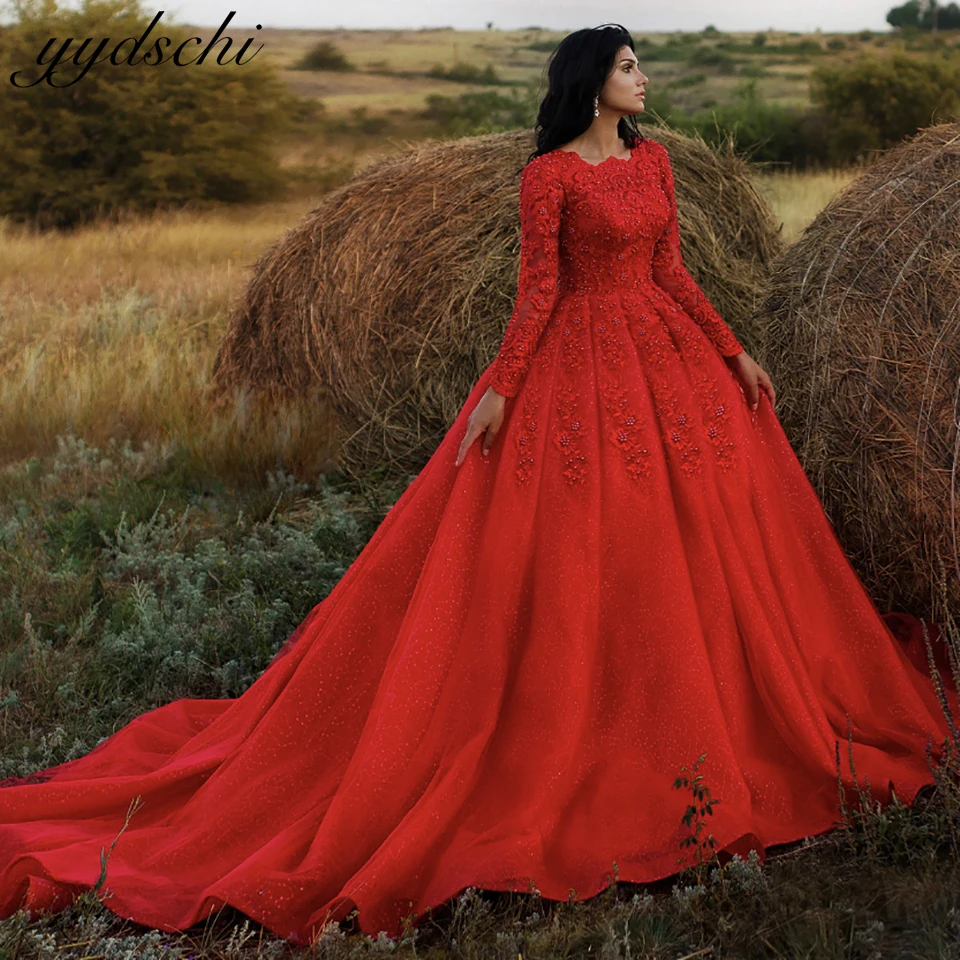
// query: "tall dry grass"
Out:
[797,197]
[111,332]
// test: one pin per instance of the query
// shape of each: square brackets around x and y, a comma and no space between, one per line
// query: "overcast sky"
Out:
[636,15]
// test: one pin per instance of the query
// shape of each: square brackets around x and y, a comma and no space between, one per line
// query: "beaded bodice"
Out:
[594,228]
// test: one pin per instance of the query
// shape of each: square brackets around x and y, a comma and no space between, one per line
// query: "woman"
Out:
[631,572]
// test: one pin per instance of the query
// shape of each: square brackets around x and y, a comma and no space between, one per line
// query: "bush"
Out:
[473,114]
[669,51]
[874,103]
[707,57]
[466,73]
[130,136]
[127,582]
[765,132]
[685,82]
[324,56]
[542,46]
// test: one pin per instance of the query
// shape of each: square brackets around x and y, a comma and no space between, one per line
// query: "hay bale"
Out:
[394,293]
[862,342]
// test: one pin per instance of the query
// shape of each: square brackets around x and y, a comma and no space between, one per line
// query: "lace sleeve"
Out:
[671,275]
[541,200]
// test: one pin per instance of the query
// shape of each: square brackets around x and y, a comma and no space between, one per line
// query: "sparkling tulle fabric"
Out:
[502,688]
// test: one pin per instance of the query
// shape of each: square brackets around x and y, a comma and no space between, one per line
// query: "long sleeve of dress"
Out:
[541,201]
[671,275]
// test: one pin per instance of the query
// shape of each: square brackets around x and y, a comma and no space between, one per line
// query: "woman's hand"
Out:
[753,377]
[487,416]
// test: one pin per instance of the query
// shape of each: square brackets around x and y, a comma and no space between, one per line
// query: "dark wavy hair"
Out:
[577,70]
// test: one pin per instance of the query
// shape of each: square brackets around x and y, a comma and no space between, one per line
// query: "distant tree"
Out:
[324,55]
[929,14]
[925,15]
[130,136]
[949,17]
[907,15]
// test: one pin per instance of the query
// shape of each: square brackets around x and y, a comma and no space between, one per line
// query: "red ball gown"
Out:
[503,687]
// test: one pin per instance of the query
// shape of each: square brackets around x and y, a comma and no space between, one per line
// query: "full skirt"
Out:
[504,686]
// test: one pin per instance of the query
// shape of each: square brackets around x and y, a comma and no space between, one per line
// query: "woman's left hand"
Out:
[753,377]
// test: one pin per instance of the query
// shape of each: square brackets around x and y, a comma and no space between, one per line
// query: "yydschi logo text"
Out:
[62,56]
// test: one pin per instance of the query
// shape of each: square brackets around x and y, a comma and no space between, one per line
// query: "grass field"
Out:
[392,65]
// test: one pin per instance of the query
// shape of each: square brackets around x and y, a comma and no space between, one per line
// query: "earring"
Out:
[596,105]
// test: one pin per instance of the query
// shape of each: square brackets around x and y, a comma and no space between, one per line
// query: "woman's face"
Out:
[624,88]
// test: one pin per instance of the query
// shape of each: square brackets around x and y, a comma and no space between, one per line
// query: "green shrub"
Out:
[671,50]
[324,56]
[542,46]
[488,111]
[873,103]
[766,132]
[685,82]
[710,57]
[121,599]
[466,73]
[130,136]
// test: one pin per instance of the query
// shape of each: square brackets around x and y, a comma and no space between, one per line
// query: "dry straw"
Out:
[863,313]
[392,296]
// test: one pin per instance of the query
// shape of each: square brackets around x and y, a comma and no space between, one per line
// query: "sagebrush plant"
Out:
[116,600]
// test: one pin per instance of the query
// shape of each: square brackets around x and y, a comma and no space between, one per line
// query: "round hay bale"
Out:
[862,342]
[394,293]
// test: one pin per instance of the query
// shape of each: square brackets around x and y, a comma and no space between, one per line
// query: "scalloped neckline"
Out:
[633,153]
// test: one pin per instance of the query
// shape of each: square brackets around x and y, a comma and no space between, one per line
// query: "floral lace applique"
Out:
[690,344]
[677,424]
[541,201]
[627,432]
[526,437]
[715,414]
[716,420]
[653,340]
[671,275]
[569,432]
[530,426]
